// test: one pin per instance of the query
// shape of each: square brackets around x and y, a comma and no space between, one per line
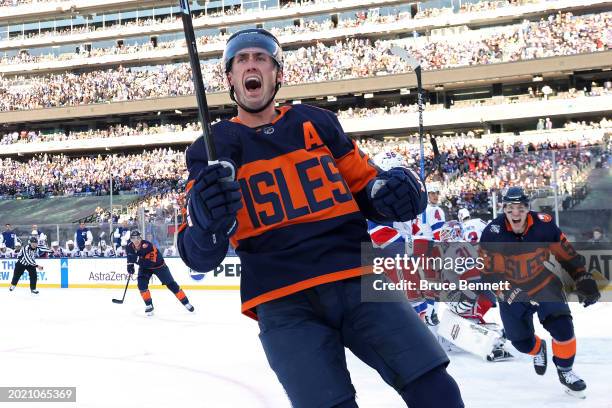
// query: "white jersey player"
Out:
[90,251]
[170,251]
[71,251]
[400,234]
[427,225]
[6,253]
[106,251]
[463,323]
[58,252]
[472,227]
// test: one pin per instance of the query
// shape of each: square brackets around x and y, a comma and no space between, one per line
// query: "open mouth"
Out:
[252,83]
[516,221]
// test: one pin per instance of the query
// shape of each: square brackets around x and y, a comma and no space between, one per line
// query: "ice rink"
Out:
[118,357]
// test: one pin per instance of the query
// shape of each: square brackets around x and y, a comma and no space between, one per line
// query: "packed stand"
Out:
[15,3]
[140,129]
[561,34]
[471,167]
[154,171]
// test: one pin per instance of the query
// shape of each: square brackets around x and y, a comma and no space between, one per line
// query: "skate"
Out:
[540,360]
[34,291]
[149,310]
[574,385]
[499,354]
[189,307]
[11,288]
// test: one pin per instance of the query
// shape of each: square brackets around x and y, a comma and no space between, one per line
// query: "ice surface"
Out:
[118,357]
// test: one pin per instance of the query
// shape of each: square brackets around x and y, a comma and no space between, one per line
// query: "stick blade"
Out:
[118,301]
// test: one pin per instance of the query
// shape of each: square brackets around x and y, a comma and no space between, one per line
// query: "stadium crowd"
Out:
[154,171]
[560,34]
[471,167]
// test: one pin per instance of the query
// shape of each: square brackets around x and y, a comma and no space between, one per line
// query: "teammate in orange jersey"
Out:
[517,246]
[151,262]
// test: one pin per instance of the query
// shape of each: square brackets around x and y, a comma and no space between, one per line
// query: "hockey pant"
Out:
[20,269]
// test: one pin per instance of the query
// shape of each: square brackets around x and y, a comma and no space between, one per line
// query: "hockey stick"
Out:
[198,83]
[120,301]
[200,92]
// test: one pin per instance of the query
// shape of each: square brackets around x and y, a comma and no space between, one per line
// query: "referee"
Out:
[26,261]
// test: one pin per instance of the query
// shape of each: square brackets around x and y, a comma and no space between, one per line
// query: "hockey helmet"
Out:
[515,195]
[463,214]
[389,159]
[433,187]
[252,38]
[33,240]
[55,244]
[451,231]
[70,242]
[2,245]
[135,234]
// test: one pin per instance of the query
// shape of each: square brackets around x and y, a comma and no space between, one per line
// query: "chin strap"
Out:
[249,110]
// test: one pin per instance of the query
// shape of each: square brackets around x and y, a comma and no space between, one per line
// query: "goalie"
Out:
[463,324]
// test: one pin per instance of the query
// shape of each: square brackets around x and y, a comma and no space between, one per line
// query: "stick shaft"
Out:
[198,82]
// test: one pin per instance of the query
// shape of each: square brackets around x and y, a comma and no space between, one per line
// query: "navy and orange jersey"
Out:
[303,184]
[148,256]
[519,258]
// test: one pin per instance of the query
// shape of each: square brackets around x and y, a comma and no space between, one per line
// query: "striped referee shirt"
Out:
[27,255]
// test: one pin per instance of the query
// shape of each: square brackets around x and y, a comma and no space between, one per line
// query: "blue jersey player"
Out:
[151,262]
[517,246]
[296,216]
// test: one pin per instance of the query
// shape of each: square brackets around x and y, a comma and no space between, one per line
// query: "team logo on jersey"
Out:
[544,217]
[196,276]
[268,130]
[495,229]
[144,245]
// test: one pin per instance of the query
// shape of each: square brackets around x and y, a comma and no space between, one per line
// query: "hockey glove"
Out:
[398,194]
[130,269]
[586,288]
[214,201]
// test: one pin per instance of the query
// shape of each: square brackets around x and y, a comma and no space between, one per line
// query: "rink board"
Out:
[111,273]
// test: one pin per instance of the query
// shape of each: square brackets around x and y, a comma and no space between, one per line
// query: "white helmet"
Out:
[2,245]
[70,242]
[55,244]
[388,160]
[433,187]
[463,214]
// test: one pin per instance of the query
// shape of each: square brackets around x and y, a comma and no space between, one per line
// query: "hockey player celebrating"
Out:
[26,261]
[296,216]
[471,227]
[516,245]
[151,262]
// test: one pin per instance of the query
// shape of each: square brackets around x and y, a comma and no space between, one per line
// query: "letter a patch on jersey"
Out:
[311,137]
